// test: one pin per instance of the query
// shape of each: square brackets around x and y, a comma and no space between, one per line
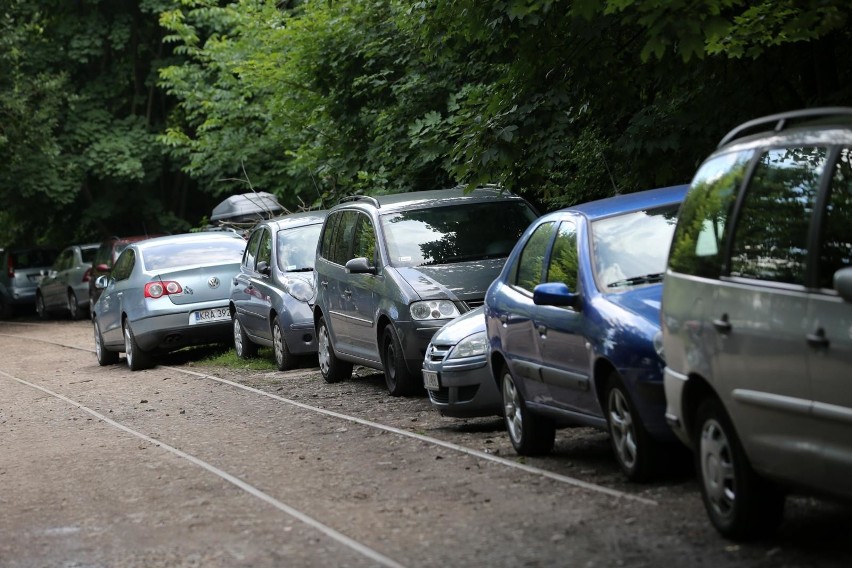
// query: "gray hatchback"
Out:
[756,314]
[391,270]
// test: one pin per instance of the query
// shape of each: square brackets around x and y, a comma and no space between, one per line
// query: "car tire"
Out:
[137,359]
[741,505]
[333,369]
[530,434]
[105,357]
[635,451]
[73,308]
[399,380]
[243,346]
[284,358]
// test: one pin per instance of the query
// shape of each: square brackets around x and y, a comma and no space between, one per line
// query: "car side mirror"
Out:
[843,283]
[263,267]
[555,294]
[102,282]
[360,265]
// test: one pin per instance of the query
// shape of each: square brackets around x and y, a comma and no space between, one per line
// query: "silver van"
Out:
[757,318]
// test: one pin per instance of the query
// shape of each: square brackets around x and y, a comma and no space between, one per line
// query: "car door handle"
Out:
[504,318]
[541,329]
[818,338]
[324,283]
[722,324]
[347,293]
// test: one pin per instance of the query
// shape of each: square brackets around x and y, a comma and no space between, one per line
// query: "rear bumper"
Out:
[172,331]
[674,384]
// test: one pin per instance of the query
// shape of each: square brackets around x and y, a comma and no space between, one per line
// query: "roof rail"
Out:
[782,119]
[350,198]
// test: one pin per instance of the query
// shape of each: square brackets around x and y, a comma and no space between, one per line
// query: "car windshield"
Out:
[455,233]
[632,249]
[297,248]
[179,254]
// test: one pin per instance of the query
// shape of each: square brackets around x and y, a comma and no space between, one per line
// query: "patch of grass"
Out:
[264,361]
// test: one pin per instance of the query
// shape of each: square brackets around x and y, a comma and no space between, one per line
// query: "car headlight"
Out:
[658,344]
[299,289]
[470,346]
[433,309]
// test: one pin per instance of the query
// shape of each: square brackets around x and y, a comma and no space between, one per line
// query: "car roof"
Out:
[187,238]
[637,201]
[429,198]
[296,219]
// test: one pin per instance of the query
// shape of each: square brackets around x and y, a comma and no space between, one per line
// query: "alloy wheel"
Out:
[717,468]
[622,428]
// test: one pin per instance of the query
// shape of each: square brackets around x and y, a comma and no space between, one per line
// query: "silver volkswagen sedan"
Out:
[164,294]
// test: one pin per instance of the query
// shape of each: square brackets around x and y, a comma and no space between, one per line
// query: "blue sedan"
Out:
[574,331]
[164,294]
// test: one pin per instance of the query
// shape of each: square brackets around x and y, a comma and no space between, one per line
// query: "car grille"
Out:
[457,394]
[437,352]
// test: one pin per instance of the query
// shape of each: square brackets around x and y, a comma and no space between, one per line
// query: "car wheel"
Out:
[242,344]
[137,359]
[284,359]
[333,369]
[41,309]
[635,450]
[73,308]
[740,504]
[531,435]
[105,357]
[399,380]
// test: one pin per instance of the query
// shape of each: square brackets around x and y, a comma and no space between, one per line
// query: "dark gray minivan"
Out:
[391,270]
[757,318]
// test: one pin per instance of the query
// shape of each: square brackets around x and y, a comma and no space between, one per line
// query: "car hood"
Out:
[644,301]
[461,280]
[461,327]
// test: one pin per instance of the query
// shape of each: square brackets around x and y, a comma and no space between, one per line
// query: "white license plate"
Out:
[430,380]
[209,316]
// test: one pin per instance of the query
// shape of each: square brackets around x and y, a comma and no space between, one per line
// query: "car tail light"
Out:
[162,288]
[11,267]
[87,275]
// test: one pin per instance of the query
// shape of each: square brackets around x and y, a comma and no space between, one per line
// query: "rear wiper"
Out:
[634,280]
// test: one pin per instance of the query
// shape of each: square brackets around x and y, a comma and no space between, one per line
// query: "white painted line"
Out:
[295,513]
[449,445]
[430,440]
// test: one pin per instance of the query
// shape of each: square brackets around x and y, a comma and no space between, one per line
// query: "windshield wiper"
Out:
[634,280]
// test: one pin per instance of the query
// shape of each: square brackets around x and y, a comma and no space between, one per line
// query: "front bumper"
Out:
[466,389]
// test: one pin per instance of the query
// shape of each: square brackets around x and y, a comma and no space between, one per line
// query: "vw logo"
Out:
[213,282]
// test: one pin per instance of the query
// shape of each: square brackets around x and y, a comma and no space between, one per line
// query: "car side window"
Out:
[327,234]
[771,236]
[531,261]
[699,243]
[124,265]
[62,261]
[564,258]
[341,240]
[264,249]
[364,240]
[250,254]
[835,247]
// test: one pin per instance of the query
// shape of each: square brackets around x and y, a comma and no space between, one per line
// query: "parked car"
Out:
[65,288]
[756,317]
[573,327]
[455,369]
[105,257]
[273,292]
[393,269]
[164,294]
[21,270]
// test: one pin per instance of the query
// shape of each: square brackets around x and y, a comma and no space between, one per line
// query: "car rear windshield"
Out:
[455,233]
[632,249]
[181,254]
[88,254]
[37,258]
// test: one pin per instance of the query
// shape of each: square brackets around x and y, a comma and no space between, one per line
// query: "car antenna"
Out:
[609,173]
[316,186]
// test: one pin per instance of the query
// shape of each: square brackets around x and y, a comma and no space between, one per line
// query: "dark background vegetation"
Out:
[126,116]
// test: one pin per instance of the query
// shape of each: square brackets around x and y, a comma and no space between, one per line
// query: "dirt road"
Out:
[184,465]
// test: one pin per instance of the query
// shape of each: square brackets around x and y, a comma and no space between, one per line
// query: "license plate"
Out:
[209,316]
[430,380]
